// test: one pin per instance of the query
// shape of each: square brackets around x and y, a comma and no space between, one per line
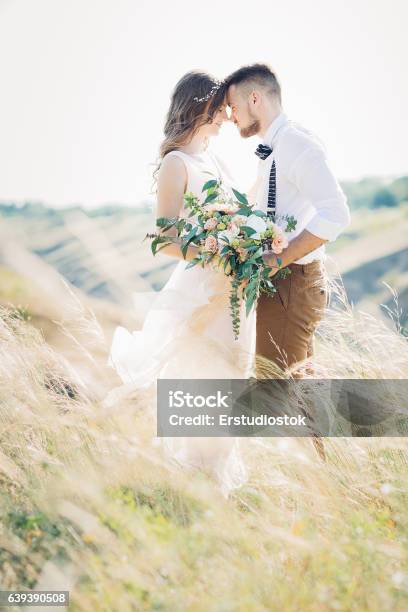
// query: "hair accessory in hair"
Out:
[212,91]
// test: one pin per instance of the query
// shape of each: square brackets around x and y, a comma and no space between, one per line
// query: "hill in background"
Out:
[101,251]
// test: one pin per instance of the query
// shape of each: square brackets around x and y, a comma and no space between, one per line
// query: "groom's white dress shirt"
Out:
[305,185]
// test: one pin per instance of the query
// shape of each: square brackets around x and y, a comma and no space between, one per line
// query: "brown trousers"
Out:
[286,321]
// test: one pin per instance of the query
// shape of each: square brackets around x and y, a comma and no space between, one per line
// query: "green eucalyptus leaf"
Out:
[164,221]
[241,197]
[164,240]
[248,230]
[249,302]
[244,210]
[184,249]
[161,244]
[211,197]
[209,185]
[193,262]
[258,213]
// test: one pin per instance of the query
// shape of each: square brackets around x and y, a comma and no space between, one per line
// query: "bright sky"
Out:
[86,85]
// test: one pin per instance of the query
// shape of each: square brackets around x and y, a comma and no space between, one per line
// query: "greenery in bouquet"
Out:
[231,236]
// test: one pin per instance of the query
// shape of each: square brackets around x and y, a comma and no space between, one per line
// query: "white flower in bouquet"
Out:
[240,220]
[256,223]
[228,234]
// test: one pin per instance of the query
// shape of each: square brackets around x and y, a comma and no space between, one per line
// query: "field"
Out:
[89,504]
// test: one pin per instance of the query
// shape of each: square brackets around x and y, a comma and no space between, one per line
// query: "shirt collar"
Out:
[273,129]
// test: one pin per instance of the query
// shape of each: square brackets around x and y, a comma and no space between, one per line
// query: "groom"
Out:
[294,178]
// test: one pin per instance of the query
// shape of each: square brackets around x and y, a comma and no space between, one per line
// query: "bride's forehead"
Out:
[225,107]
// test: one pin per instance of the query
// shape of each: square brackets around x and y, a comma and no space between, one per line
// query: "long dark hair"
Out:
[186,114]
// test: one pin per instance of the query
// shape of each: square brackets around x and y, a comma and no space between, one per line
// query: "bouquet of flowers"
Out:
[232,236]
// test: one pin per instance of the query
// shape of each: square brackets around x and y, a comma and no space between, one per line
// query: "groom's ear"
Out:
[254,97]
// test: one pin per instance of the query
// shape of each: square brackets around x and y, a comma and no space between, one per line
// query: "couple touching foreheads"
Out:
[187,331]
[294,178]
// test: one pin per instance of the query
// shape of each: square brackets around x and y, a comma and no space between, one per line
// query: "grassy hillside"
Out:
[88,504]
[102,252]
[372,258]
[74,324]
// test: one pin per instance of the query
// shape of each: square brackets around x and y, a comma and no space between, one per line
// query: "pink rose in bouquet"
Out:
[211,224]
[211,244]
[279,242]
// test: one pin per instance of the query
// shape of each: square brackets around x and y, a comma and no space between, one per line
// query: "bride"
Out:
[187,332]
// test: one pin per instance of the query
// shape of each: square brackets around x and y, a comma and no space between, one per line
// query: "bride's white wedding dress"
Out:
[187,334]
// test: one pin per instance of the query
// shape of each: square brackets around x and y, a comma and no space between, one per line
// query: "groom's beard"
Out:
[251,130]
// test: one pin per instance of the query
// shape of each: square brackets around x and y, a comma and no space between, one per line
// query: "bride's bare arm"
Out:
[171,185]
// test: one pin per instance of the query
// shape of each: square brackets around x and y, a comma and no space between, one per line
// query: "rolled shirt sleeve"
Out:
[315,181]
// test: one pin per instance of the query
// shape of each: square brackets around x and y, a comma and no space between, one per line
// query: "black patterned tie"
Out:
[263,151]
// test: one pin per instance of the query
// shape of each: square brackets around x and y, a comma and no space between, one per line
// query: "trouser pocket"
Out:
[283,291]
[315,296]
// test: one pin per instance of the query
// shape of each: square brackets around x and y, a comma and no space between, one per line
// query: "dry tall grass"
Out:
[88,503]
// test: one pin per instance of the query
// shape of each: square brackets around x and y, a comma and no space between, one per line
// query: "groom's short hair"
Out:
[259,74]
